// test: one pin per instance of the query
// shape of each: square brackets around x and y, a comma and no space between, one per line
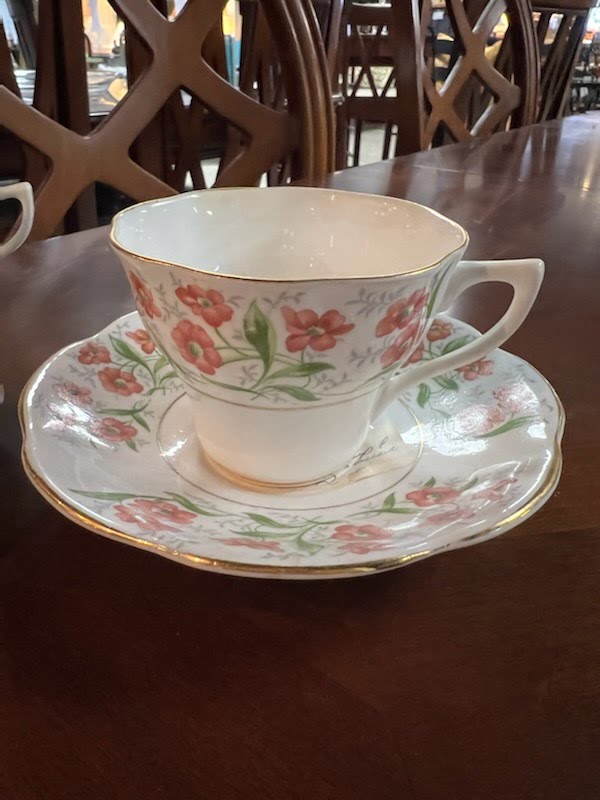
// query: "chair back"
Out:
[179,101]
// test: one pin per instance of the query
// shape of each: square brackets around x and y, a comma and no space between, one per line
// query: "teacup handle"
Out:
[24,194]
[525,276]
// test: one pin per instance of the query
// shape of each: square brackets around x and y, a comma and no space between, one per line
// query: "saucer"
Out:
[109,442]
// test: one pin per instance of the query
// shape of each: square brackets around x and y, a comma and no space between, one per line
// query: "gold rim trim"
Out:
[255,570]
[257,279]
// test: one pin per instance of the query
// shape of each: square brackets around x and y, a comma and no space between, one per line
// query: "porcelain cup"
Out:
[295,316]
[24,194]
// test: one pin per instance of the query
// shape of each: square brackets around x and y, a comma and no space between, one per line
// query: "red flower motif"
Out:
[417,354]
[402,346]
[361,548]
[402,313]
[439,330]
[208,304]
[516,397]
[451,516]
[360,533]
[154,515]
[478,420]
[432,496]
[477,368]
[196,346]
[142,338]
[80,395]
[307,329]
[144,296]
[113,430]
[497,491]
[117,380]
[255,544]
[92,353]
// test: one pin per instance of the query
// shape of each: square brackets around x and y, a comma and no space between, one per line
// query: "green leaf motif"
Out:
[301,370]
[424,395]
[113,496]
[469,485]
[124,350]
[162,362]
[309,547]
[131,445]
[518,422]
[400,511]
[429,484]
[390,501]
[260,333]
[295,391]
[447,383]
[140,421]
[266,521]
[183,501]
[456,344]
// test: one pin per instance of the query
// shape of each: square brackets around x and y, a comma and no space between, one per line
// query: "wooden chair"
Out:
[181,54]
[419,104]
[559,53]
[260,69]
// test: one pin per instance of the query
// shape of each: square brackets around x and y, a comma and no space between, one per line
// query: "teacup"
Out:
[24,194]
[292,314]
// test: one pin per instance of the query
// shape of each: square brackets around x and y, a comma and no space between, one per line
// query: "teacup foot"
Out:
[256,485]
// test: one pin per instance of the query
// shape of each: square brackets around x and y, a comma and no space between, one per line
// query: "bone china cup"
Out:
[294,316]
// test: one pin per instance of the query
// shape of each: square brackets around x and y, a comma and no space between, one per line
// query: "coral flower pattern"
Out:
[402,313]
[432,496]
[208,304]
[359,533]
[439,330]
[308,329]
[453,515]
[457,492]
[119,381]
[496,491]
[142,338]
[144,297]
[113,430]
[402,345]
[92,353]
[196,346]
[80,395]
[472,371]
[254,544]
[478,419]
[152,515]
[515,398]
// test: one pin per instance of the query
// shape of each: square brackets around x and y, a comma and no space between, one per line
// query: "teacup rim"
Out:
[258,279]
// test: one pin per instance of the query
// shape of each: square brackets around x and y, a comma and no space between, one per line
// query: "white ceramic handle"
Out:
[24,194]
[525,276]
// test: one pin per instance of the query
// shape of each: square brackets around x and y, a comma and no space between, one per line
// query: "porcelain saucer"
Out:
[109,442]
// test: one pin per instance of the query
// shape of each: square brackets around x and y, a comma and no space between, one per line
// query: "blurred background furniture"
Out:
[560,28]
[434,73]
[403,76]
[179,107]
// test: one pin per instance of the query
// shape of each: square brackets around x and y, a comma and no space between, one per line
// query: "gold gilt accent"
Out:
[237,567]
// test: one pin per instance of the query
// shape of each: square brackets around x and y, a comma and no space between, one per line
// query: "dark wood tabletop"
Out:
[474,674]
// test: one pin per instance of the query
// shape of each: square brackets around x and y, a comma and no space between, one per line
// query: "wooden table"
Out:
[474,674]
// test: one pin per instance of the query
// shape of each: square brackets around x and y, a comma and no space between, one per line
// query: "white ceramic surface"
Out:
[292,314]
[22,192]
[109,441]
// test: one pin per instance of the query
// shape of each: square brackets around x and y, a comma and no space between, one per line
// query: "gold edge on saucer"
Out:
[256,570]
